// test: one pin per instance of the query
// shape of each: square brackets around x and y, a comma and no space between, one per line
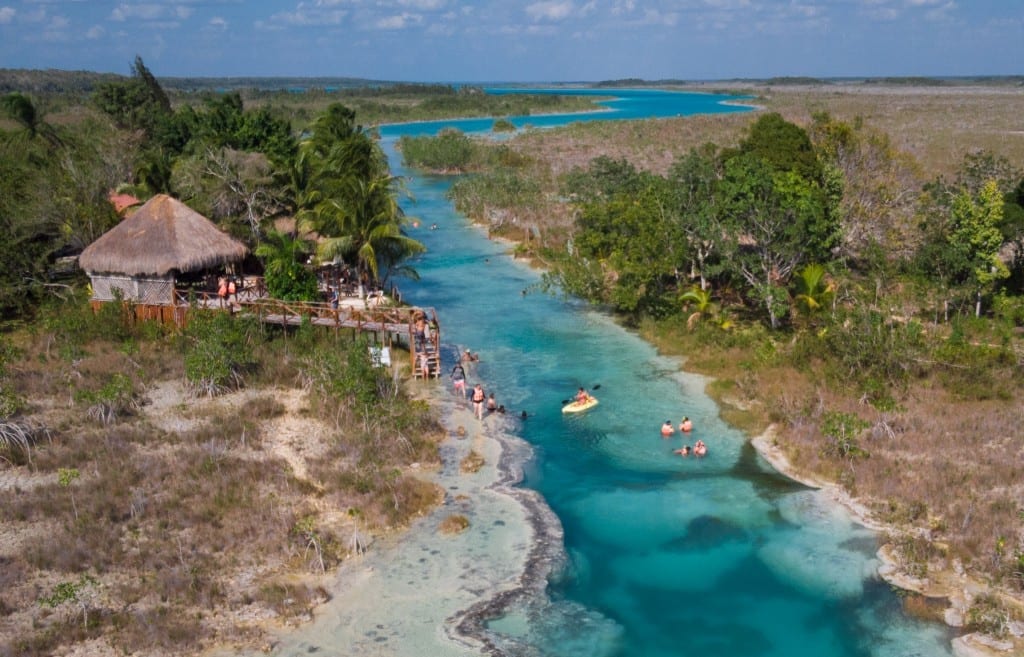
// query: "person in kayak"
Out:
[582,396]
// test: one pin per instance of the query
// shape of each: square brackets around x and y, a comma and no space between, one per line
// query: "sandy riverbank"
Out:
[425,591]
[949,582]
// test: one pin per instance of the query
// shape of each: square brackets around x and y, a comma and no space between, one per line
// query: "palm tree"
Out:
[813,289]
[287,278]
[363,222]
[24,112]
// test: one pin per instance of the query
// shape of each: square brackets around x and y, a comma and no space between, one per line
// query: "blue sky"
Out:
[512,40]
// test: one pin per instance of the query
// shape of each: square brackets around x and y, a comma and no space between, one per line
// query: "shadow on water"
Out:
[706,533]
[767,482]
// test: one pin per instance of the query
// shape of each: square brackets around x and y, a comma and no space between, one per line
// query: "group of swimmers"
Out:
[685,426]
[699,449]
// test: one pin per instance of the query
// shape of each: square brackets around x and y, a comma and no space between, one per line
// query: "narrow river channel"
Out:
[659,556]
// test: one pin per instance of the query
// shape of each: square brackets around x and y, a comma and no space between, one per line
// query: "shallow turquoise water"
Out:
[667,556]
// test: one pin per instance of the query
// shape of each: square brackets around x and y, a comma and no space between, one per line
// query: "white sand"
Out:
[408,593]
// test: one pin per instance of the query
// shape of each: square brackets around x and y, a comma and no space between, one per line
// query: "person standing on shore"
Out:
[479,397]
[458,375]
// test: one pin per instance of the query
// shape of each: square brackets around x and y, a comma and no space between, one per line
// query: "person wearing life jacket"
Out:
[686,426]
[222,290]
[700,449]
[478,397]
[666,429]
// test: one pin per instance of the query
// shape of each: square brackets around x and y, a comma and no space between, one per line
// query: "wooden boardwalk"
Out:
[392,322]
[371,315]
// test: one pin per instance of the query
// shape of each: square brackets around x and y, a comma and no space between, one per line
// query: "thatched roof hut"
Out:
[143,254]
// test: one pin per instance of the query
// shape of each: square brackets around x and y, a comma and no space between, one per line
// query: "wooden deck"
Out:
[372,315]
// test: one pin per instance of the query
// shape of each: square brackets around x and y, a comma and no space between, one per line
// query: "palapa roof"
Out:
[161,236]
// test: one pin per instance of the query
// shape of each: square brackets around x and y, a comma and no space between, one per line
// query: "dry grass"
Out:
[454,524]
[472,462]
[195,517]
[938,126]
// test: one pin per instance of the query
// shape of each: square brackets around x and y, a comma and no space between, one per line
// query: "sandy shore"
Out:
[428,592]
[951,582]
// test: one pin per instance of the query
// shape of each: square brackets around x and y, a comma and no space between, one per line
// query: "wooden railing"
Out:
[398,321]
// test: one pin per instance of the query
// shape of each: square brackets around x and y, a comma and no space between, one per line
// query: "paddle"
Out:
[566,401]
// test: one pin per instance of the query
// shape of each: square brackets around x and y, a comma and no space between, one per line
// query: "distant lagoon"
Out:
[617,105]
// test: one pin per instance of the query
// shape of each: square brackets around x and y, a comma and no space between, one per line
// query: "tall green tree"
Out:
[694,180]
[784,146]
[342,191]
[28,237]
[880,190]
[769,218]
[975,234]
[138,103]
[628,252]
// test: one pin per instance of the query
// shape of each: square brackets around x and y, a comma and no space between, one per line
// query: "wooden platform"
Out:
[372,315]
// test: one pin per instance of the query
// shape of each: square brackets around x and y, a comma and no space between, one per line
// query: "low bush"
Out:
[218,351]
[988,615]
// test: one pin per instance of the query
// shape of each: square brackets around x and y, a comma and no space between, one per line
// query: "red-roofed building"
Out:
[123,202]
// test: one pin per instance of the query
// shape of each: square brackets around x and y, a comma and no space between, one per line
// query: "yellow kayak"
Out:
[579,407]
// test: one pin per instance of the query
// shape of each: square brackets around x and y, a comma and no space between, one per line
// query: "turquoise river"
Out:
[648,554]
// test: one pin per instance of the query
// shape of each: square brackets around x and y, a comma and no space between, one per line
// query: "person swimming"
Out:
[682,451]
[666,429]
[700,449]
[686,426]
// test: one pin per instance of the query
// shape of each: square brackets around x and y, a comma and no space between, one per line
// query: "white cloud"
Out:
[95,32]
[217,23]
[655,17]
[7,15]
[305,16]
[398,22]
[541,30]
[620,7]
[940,13]
[441,29]
[550,10]
[181,11]
[144,11]
[58,23]
[424,5]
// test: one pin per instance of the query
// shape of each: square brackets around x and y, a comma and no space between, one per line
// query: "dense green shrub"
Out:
[450,150]
[218,350]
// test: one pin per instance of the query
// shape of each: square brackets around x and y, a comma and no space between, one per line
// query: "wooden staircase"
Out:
[433,359]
